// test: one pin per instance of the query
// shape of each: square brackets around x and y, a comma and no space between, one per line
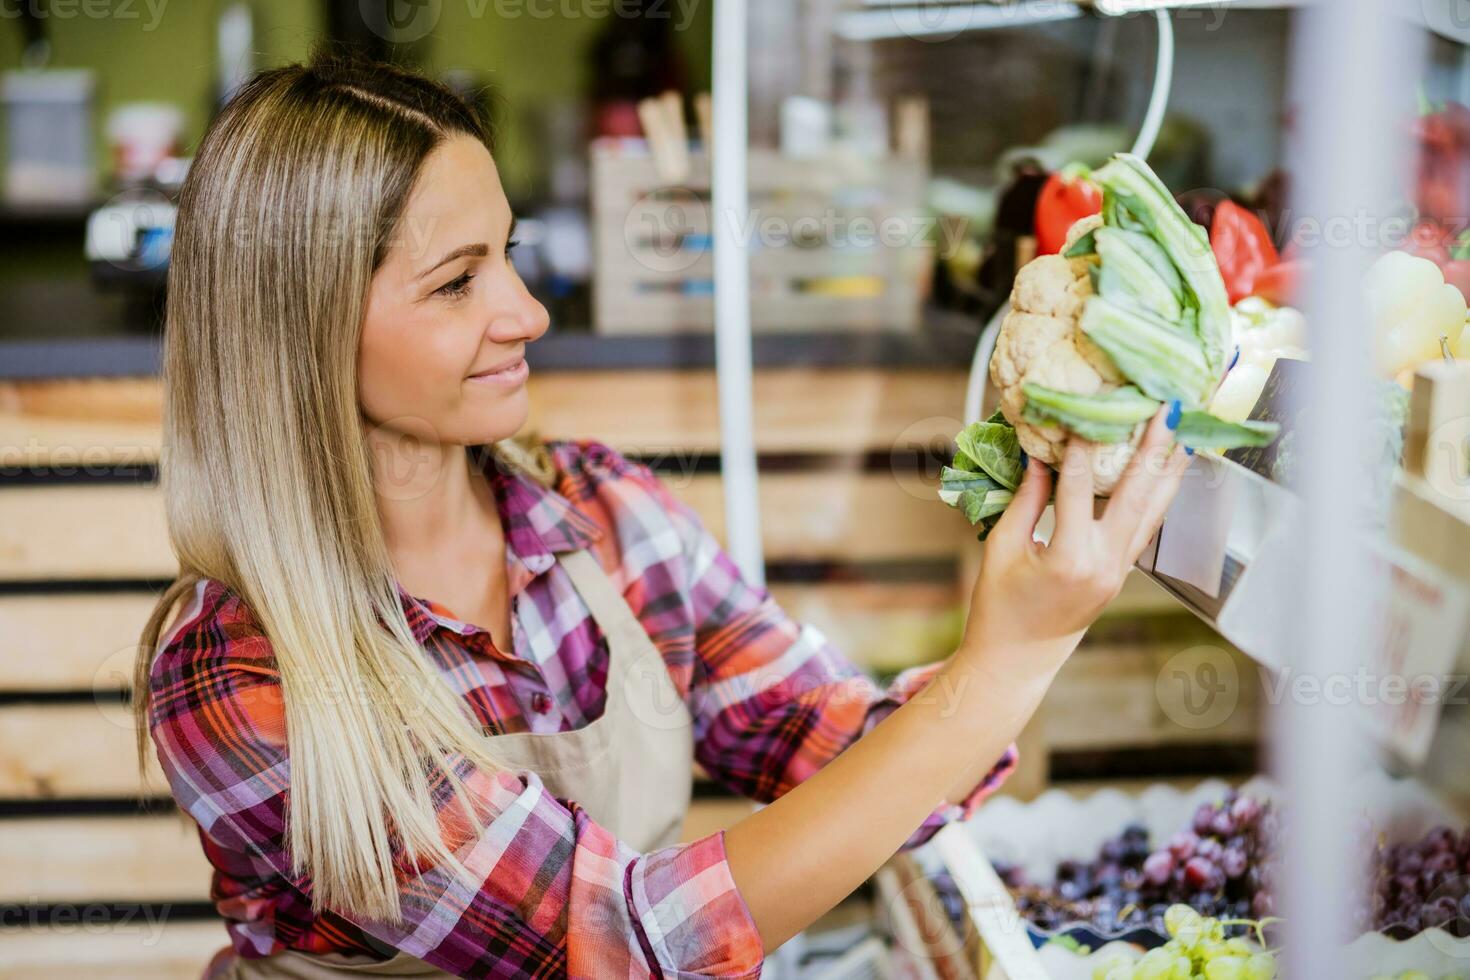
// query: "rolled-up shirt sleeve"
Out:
[773,699]
[552,892]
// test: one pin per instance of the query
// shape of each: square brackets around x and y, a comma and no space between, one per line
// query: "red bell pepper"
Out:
[1242,247]
[1443,185]
[1068,196]
[1457,269]
[1433,241]
[1280,283]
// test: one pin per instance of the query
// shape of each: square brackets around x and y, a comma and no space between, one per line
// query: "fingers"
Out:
[1018,523]
[1159,504]
[1136,494]
[1074,490]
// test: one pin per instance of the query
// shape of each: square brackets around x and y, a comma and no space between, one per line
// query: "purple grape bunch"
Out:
[1221,865]
[1420,885]
[1224,864]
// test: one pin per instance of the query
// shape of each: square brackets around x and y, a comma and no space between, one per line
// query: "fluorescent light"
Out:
[1447,18]
[1122,8]
[934,20]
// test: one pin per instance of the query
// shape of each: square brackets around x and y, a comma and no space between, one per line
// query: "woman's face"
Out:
[446,307]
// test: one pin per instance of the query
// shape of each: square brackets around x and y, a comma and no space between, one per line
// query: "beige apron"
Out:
[630,768]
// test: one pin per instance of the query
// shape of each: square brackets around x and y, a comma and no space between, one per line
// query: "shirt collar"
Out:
[539,523]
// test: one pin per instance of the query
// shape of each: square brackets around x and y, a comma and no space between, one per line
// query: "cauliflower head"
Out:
[1041,342]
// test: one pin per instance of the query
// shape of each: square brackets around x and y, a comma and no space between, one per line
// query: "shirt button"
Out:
[540,702]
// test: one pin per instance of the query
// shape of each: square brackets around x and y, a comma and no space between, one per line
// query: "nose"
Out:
[516,314]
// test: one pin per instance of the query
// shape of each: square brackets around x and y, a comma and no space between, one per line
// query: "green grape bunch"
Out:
[1197,950]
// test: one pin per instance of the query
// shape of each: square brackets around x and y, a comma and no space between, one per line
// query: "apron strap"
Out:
[609,608]
[638,678]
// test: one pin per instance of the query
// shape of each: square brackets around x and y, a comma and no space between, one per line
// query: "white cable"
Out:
[1158,99]
[1153,119]
[980,366]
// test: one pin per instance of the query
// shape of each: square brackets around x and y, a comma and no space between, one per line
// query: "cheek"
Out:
[416,371]
[400,373]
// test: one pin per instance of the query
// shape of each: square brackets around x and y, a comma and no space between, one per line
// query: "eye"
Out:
[457,286]
[511,244]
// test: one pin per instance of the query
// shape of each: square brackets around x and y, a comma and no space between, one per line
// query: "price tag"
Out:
[1421,626]
[1192,542]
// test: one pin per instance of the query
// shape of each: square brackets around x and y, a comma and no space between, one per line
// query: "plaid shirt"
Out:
[772,702]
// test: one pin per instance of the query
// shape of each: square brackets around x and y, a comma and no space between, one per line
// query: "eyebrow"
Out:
[478,249]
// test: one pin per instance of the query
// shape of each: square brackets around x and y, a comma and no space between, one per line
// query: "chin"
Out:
[507,420]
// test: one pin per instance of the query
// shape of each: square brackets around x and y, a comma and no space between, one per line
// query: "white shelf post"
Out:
[732,291]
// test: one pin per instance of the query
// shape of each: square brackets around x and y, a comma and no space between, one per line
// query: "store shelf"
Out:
[883,20]
[1229,518]
[1450,19]
[945,341]
[1227,552]
[887,20]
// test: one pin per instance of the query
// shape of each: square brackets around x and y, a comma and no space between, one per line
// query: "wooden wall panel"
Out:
[707,816]
[874,622]
[647,412]
[70,641]
[103,531]
[79,423]
[151,946]
[71,751]
[117,532]
[85,750]
[852,516]
[97,859]
[795,409]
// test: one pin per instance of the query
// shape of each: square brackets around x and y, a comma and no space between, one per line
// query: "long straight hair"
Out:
[290,205]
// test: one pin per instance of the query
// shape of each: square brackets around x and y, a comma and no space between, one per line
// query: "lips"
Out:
[496,369]
[506,375]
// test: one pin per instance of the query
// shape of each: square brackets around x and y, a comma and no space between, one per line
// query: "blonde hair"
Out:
[287,210]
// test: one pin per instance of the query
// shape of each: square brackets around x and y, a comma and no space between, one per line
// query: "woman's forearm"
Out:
[969,778]
[801,855]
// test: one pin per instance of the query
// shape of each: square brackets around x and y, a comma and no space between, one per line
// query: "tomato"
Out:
[1067,197]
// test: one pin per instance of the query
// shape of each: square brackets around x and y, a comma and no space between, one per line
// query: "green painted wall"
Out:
[537,61]
[532,50]
[157,50]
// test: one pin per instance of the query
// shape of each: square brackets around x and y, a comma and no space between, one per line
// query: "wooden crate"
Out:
[1108,698]
[1123,696]
[833,243]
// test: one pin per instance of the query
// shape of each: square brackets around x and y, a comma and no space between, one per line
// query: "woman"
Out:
[495,661]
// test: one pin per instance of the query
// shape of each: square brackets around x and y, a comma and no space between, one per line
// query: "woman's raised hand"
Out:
[1035,600]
